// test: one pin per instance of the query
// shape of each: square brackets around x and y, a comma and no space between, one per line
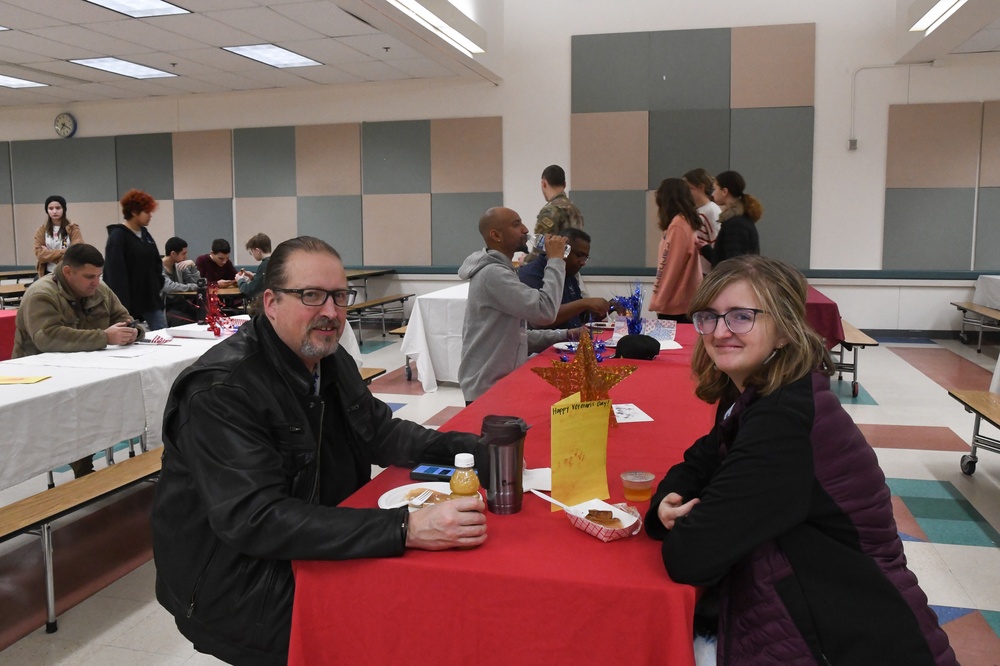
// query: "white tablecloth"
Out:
[434,335]
[75,412]
[988,291]
[157,367]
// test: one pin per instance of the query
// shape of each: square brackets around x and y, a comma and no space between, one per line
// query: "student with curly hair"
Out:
[132,266]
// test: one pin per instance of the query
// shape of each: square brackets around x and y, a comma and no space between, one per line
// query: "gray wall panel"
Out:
[988,230]
[687,139]
[200,221]
[616,222]
[337,220]
[77,169]
[773,147]
[455,225]
[145,162]
[689,69]
[264,162]
[396,157]
[785,230]
[928,229]
[609,73]
[5,186]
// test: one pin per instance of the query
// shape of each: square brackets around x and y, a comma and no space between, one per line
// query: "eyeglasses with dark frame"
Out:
[738,320]
[317,297]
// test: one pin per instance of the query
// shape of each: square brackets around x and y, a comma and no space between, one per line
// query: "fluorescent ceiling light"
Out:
[11,82]
[430,20]
[945,16]
[272,55]
[937,15]
[123,67]
[140,8]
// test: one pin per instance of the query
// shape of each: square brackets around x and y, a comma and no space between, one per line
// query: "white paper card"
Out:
[629,413]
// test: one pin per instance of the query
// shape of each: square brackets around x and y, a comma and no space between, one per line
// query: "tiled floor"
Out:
[949,521]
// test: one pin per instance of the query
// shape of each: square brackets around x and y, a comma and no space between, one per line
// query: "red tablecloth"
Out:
[538,591]
[7,333]
[824,316]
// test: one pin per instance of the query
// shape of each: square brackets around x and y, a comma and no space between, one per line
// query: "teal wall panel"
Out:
[689,69]
[264,162]
[615,220]
[609,72]
[145,162]
[928,229]
[682,140]
[77,169]
[5,186]
[773,150]
[455,225]
[337,220]
[988,230]
[200,221]
[396,157]
[773,147]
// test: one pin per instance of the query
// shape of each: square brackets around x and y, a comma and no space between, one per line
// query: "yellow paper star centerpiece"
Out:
[584,375]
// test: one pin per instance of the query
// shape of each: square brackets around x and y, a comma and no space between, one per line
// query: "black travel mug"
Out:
[504,440]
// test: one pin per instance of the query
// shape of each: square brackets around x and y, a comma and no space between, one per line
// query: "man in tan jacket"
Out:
[72,310]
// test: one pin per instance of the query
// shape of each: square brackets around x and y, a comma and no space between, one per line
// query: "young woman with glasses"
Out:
[782,511]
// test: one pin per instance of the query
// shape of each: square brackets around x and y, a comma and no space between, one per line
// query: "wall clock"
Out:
[65,125]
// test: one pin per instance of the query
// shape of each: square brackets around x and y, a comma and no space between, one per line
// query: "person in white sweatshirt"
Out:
[495,336]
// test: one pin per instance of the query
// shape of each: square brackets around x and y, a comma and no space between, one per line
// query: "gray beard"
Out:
[309,350]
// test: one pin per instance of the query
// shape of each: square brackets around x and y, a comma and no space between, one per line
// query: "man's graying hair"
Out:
[276,267]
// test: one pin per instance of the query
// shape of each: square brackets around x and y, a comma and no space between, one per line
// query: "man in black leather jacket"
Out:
[263,437]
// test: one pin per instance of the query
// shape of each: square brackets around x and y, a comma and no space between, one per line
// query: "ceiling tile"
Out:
[203,29]
[221,60]
[327,75]
[229,81]
[147,33]
[373,71]
[24,41]
[376,45]
[8,55]
[16,18]
[67,11]
[325,17]
[328,51]
[84,38]
[24,96]
[264,23]
[423,68]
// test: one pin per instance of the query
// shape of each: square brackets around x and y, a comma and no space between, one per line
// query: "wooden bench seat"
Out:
[376,309]
[12,292]
[854,339]
[401,331]
[368,374]
[982,317]
[35,514]
[985,405]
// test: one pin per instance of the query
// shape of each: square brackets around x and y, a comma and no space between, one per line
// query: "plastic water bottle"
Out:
[536,245]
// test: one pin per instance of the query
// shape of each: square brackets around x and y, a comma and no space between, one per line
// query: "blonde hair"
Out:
[781,290]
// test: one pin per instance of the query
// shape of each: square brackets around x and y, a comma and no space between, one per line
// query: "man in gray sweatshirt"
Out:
[495,337]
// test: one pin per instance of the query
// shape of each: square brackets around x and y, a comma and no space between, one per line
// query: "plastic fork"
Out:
[419,500]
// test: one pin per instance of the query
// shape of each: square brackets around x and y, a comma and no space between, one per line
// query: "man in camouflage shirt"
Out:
[559,213]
